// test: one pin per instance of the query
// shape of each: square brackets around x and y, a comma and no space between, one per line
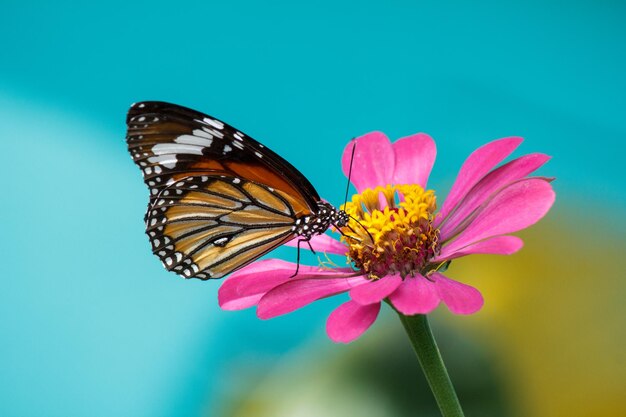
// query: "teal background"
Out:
[91,324]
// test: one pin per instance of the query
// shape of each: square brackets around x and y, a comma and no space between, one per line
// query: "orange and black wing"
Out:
[210,225]
[169,142]
[218,198]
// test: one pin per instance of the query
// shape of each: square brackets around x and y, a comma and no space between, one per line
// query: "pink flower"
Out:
[397,243]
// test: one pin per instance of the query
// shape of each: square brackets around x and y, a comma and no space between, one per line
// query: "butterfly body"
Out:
[218,198]
[319,222]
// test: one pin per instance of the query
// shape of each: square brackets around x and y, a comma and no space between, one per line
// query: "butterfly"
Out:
[218,198]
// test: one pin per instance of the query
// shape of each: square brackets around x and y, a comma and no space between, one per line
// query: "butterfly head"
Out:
[340,218]
[330,215]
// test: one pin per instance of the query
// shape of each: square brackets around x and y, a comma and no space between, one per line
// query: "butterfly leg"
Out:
[353,231]
[308,241]
[297,259]
[348,226]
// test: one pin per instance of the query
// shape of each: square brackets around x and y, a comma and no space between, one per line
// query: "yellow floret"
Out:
[398,238]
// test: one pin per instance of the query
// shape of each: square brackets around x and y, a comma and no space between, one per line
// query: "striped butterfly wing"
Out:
[210,225]
[169,142]
[218,198]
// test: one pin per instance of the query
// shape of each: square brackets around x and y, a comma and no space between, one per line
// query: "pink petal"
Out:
[516,207]
[321,243]
[460,298]
[375,291]
[350,320]
[492,182]
[499,245]
[244,288]
[373,161]
[415,156]
[416,295]
[479,163]
[297,293]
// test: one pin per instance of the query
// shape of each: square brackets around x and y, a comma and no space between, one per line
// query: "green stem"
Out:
[430,360]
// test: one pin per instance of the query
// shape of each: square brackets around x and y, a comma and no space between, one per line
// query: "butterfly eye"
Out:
[342,219]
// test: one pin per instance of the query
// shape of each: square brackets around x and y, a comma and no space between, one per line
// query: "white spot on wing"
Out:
[215,123]
[221,241]
[175,148]
[168,161]
[214,132]
[193,140]
[202,133]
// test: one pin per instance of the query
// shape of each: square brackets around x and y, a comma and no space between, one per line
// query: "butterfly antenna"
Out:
[348,190]
[345,201]
[345,235]
[364,228]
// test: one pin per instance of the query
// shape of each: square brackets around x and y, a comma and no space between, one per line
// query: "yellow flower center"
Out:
[397,239]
